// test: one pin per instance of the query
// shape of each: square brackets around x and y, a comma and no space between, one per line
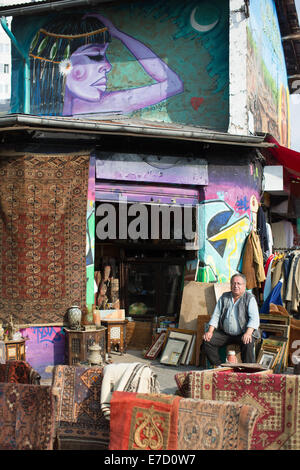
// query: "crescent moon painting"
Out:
[204,28]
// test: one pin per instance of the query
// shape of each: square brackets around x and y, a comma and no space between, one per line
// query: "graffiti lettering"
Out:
[242,204]
[48,334]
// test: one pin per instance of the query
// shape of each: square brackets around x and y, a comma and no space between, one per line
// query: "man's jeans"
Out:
[219,339]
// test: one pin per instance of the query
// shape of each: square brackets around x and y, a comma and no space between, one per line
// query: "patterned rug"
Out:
[27,417]
[212,425]
[43,203]
[80,421]
[19,372]
[276,396]
[143,421]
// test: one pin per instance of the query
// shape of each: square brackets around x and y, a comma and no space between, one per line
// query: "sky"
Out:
[295,108]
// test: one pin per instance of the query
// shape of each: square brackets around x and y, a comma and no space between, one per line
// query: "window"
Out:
[152,287]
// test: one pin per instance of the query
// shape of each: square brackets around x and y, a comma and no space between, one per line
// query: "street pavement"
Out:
[165,374]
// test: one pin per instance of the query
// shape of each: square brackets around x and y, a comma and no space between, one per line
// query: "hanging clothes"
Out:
[261,228]
[283,234]
[268,272]
[277,269]
[269,240]
[274,297]
[284,266]
[253,264]
[293,284]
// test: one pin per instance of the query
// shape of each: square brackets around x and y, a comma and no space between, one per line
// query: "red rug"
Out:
[43,204]
[27,417]
[276,397]
[143,422]
[19,372]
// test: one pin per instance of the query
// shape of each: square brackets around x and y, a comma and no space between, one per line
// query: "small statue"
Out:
[11,328]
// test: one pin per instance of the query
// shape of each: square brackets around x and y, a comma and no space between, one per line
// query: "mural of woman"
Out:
[70,67]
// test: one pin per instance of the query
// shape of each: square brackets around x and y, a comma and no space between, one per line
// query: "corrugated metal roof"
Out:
[43,6]
[10,3]
[121,125]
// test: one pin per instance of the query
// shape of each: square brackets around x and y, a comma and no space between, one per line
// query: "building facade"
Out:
[119,110]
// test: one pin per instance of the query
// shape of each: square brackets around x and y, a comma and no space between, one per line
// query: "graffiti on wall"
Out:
[44,345]
[268,94]
[163,60]
[226,217]
[90,235]
[225,231]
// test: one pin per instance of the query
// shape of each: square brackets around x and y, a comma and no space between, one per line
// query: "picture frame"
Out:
[173,351]
[275,329]
[186,335]
[266,358]
[156,346]
[276,334]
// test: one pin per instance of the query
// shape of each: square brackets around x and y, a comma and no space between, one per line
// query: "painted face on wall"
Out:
[88,76]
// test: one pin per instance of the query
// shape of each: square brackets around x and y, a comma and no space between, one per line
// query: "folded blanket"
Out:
[123,377]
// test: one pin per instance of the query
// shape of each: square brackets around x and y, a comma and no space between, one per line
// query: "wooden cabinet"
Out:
[15,350]
[115,335]
[78,342]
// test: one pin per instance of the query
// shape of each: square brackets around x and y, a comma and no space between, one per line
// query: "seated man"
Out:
[234,320]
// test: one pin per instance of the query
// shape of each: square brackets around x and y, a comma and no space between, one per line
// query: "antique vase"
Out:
[74,317]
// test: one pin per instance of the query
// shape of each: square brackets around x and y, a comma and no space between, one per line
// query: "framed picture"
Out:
[156,346]
[275,329]
[187,335]
[266,359]
[173,351]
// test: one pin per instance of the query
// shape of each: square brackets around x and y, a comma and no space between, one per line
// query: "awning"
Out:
[289,159]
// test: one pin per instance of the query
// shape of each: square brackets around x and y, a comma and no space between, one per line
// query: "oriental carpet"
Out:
[27,418]
[19,372]
[43,203]
[143,421]
[81,424]
[212,425]
[165,422]
[275,396]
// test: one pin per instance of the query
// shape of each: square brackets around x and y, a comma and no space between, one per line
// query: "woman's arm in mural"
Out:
[168,82]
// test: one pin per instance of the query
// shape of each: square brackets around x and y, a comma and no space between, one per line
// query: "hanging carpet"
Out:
[43,203]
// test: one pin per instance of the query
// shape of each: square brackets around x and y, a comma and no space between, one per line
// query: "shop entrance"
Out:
[143,275]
